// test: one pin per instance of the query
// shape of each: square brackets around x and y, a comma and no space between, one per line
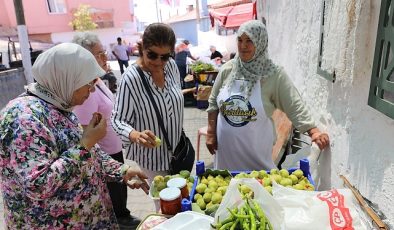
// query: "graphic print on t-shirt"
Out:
[237,111]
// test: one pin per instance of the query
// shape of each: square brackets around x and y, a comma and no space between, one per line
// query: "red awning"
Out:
[221,4]
[233,16]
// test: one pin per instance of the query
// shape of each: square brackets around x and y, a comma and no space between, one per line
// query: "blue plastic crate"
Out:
[193,191]
[200,170]
[304,166]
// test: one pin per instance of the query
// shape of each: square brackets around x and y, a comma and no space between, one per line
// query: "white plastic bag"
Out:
[319,164]
[335,209]
[232,199]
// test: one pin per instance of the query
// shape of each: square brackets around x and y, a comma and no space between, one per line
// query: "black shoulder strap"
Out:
[159,118]
[103,92]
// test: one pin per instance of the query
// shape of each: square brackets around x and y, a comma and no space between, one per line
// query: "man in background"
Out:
[122,54]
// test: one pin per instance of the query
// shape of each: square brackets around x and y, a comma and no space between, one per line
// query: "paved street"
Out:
[139,203]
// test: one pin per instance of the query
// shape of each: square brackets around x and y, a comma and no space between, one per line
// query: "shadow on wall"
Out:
[12,84]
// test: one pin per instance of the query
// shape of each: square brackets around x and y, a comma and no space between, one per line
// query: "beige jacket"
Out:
[278,92]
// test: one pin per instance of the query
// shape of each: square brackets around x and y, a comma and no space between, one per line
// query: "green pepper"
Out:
[252,219]
[238,215]
[234,224]
[260,214]
[226,225]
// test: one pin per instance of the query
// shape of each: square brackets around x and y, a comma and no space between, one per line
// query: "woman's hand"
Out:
[211,139]
[94,132]
[135,179]
[321,139]
[211,143]
[145,138]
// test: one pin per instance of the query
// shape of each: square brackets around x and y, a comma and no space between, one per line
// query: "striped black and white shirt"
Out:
[134,111]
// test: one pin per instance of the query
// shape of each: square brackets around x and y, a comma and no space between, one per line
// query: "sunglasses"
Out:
[153,56]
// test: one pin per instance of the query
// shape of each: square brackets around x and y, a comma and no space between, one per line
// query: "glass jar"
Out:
[181,184]
[170,201]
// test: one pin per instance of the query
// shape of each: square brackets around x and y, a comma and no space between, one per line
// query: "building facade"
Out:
[49,20]
[361,136]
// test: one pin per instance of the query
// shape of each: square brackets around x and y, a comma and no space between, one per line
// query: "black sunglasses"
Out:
[153,56]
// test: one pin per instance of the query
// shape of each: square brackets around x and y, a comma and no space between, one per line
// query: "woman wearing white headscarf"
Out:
[53,177]
[246,92]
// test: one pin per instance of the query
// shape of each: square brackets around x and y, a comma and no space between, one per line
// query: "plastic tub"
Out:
[186,220]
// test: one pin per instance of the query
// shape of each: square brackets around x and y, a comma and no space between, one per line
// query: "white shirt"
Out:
[121,52]
[133,110]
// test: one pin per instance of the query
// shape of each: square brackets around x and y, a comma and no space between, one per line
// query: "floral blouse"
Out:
[48,181]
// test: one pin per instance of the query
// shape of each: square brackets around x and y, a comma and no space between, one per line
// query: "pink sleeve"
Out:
[85,111]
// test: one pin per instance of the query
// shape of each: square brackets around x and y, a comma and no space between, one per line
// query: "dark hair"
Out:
[119,39]
[186,42]
[157,34]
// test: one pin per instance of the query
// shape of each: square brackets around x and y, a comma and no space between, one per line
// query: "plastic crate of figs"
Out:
[211,185]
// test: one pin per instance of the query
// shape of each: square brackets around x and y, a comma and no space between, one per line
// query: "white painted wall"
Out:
[362,145]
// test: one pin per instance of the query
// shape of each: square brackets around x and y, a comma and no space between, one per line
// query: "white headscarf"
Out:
[60,71]
[260,66]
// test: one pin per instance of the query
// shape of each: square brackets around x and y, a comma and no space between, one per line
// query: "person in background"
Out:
[102,101]
[121,53]
[110,81]
[215,54]
[181,54]
[246,92]
[53,174]
[134,117]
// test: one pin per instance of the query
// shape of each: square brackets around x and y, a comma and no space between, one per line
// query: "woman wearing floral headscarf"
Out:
[52,175]
[246,92]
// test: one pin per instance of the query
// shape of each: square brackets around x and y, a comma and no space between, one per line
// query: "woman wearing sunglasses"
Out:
[134,117]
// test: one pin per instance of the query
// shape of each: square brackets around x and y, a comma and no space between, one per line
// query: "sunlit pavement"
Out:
[138,202]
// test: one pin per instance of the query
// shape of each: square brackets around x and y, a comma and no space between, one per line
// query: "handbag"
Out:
[183,155]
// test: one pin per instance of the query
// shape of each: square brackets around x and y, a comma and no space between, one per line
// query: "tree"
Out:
[82,19]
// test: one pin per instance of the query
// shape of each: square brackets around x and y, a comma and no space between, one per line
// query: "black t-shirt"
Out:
[110,79]
[216,54]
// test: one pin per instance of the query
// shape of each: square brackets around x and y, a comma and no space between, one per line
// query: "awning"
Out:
[225,3]
[233,16]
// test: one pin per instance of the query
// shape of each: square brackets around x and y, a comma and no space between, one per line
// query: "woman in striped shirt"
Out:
[134,117]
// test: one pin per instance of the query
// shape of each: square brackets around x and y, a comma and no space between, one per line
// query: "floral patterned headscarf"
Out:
[260,66]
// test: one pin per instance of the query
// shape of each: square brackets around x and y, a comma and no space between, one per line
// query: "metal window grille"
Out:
[381,92]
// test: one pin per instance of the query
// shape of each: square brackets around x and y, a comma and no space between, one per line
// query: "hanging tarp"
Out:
[233,16]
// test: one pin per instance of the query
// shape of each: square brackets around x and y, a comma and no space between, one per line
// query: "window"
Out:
[56,6]
[381,91]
